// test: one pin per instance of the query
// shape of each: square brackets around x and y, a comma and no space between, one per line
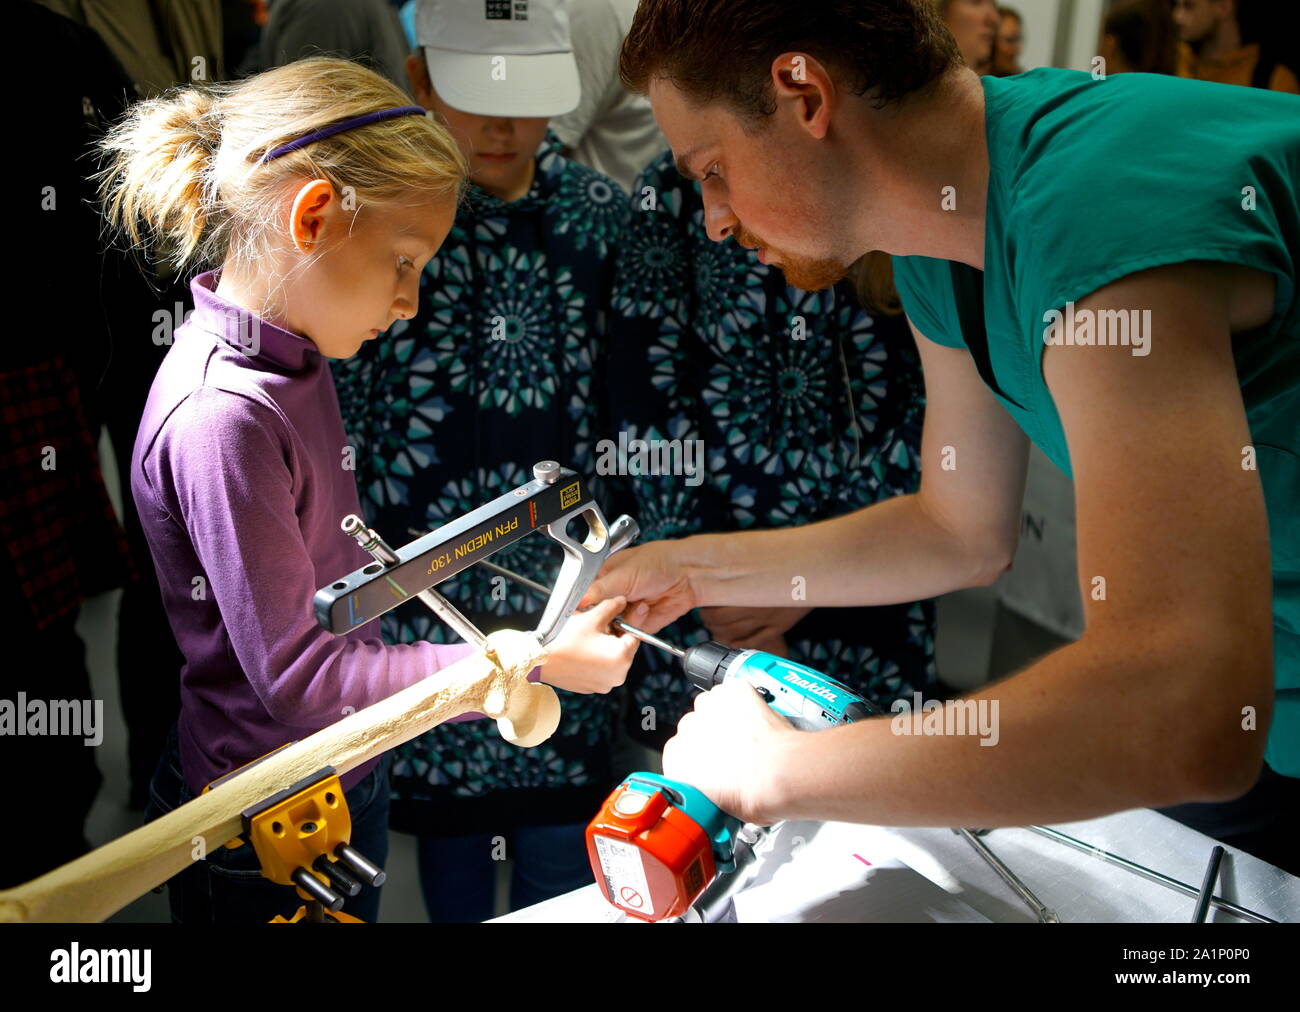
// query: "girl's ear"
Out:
[313,205]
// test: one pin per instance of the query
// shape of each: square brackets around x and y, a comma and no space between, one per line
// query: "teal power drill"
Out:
[659,848]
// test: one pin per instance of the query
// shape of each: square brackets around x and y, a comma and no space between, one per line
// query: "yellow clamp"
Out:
[292,828]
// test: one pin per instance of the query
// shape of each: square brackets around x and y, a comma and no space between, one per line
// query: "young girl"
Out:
[321,193]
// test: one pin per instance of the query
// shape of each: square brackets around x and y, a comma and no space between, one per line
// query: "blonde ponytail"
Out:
[185,171]
[157,187]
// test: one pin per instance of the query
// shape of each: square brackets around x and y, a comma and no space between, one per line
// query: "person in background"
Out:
[804,406]
[1010,43]
[160,43]
[62,540]
[612,130]
[406,15]
[365,30]
[504,348]
[1213,49]
[974,24]
[1139,36]
[242,22]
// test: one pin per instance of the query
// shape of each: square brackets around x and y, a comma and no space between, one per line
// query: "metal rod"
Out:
[646,637]
[1044,913]
[1147,873]
[360,866]
[450,614]
[342,881]
[616,623]
[319,891]
[1207,885]
[519,578]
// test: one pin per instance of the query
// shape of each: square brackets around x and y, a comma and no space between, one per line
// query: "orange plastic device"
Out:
[651,859]
[294,833]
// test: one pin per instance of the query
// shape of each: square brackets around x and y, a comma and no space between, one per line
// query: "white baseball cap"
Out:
[500,57]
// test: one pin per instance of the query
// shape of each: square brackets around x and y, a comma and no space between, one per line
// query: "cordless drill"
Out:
[657,844]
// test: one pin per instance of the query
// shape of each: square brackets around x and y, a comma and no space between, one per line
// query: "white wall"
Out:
[1084,33]
[1041,18]
[1040,30]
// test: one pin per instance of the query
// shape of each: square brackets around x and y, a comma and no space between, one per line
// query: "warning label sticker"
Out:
[570,496]
[624,875]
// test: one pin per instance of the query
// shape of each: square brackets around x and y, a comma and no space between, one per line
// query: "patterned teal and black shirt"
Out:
[806,407]
[498,369]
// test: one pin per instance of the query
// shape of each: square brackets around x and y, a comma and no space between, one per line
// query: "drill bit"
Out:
[646,637]
[616,623]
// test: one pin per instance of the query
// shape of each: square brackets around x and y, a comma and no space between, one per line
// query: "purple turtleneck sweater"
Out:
[239,480]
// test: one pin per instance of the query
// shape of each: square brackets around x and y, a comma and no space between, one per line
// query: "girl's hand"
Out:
[586,656]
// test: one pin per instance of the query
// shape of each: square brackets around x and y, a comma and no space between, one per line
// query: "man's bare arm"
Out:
[1146,709]
[958,531]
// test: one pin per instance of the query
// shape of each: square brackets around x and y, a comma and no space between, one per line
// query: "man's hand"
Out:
[752,628]
[655,574]
[731,747]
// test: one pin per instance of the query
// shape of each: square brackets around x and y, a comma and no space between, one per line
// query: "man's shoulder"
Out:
[1142,170]
[1136,118]
[1122,124]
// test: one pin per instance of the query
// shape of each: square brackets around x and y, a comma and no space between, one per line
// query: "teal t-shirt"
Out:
[1090,181]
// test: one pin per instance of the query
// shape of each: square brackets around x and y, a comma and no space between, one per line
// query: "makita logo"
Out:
[813,687]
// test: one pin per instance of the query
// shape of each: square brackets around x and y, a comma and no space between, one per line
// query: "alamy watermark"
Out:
[1108,327]
[652,457]
[241,329]
[955,716]
[75,965]
[82,718]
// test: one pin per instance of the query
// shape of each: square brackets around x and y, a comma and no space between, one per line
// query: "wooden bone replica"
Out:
[493,681]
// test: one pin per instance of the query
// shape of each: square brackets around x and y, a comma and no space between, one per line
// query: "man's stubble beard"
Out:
[810,274]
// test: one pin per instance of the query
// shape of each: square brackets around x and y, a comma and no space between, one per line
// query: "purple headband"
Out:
[347,124]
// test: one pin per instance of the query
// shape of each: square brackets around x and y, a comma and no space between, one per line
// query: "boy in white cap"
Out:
[503,350]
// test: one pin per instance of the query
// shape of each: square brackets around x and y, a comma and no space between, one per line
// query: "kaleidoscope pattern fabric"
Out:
[806,405]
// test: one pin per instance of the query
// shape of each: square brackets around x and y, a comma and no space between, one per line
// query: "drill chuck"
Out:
[706,663]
